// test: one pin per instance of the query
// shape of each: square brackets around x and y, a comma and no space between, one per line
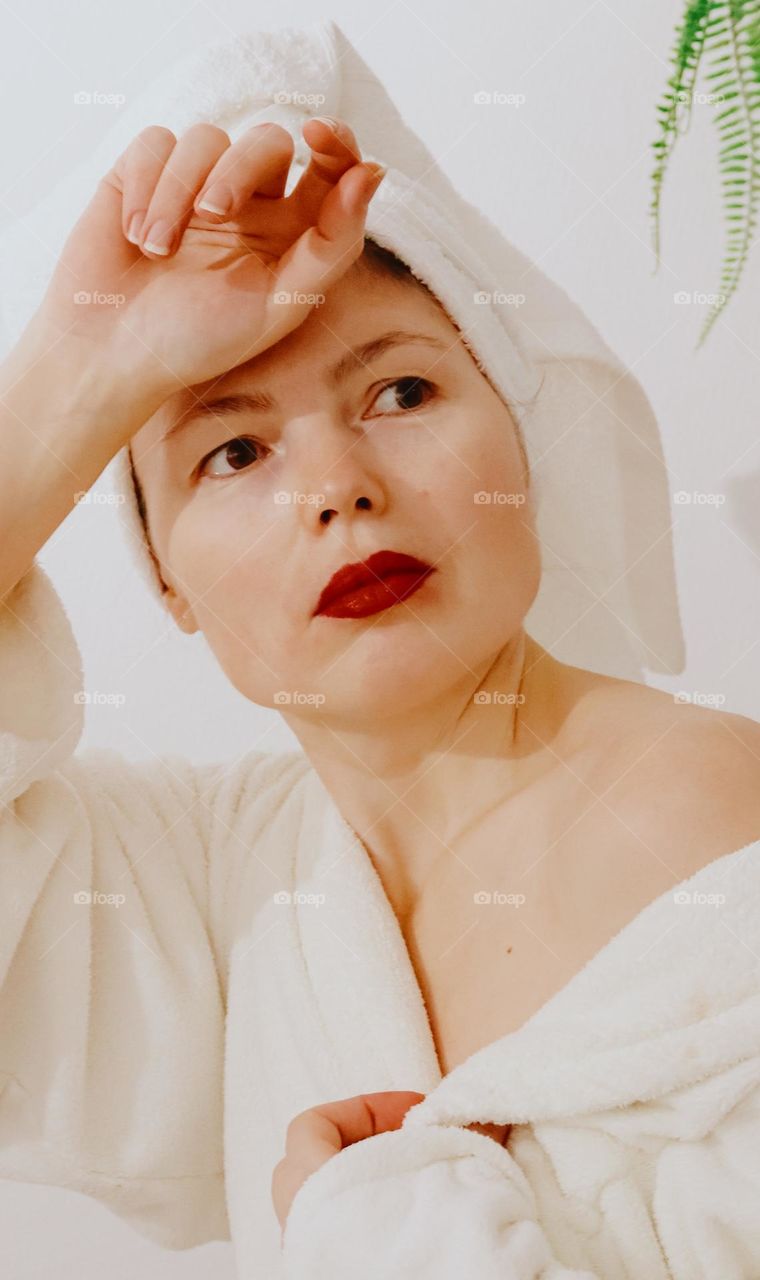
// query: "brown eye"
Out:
[238,453]
[416,390]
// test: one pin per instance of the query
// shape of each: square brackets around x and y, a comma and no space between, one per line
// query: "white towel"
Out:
[607,599]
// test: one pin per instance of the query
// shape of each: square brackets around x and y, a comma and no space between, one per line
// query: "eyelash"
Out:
[430,393]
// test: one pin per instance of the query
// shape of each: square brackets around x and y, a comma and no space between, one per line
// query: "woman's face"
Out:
[252,511]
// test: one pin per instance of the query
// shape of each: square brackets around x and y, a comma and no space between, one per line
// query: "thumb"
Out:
[325,1130]
[324,252]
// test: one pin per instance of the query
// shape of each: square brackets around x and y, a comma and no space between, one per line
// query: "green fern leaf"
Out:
[740,154]
[687,54]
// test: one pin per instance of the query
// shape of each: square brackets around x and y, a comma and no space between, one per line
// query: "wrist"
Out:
[81,381]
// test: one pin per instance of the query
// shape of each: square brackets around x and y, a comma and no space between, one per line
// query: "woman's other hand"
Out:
[314,1136]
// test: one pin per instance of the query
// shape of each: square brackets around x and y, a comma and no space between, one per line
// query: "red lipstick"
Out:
[358,590]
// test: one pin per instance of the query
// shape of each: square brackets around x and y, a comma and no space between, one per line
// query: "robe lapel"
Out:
[370,1006]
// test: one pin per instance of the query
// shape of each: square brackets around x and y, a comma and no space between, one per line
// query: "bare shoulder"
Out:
[683,778]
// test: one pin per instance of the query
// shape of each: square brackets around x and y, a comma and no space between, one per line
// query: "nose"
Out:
[331,474]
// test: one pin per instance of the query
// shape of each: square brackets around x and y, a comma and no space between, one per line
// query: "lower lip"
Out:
[374,596]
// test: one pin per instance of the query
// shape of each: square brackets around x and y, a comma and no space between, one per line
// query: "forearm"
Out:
[63,416]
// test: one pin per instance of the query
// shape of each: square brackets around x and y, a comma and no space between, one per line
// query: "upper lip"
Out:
[377,566]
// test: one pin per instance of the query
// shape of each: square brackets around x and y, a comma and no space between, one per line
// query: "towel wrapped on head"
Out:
[608,598]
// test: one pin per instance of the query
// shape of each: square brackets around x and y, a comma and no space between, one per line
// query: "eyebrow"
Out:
[262,402]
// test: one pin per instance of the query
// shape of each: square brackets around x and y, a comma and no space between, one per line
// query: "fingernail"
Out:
[330,121]
[135,223]
[376,173]
[218,199]
[159,237]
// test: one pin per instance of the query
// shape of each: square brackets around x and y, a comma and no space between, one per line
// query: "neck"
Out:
[413,785]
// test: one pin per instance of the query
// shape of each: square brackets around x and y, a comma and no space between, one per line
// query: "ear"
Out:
[180,611]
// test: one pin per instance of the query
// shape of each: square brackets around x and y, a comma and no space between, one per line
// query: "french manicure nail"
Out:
[218,199]
[135,223]
[159,238]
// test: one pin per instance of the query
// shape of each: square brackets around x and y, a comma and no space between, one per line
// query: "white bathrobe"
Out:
[237,961]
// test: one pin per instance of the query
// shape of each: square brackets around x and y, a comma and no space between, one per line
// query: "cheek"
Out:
[478,477]
[230,560]
[507,543]
[489,523]
[224,546]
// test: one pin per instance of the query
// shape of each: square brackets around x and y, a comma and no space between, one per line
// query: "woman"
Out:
[581,799]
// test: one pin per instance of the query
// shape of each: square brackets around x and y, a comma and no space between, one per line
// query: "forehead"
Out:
[360,306]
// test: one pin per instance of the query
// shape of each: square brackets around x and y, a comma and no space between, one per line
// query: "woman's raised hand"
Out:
[173,293]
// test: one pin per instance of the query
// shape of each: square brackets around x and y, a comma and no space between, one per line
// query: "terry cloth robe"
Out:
[191,955]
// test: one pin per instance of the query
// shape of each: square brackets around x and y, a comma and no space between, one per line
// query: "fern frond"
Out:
[740,150]
[686,56]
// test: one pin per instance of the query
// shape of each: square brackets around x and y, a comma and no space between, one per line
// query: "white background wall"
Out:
[579,152]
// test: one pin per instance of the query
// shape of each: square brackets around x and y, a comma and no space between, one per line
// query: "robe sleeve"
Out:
[433,1203]
[111,1003]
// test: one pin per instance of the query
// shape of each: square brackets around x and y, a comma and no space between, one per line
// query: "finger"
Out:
[323,253]
[321,1132]
[259,161]
[334,150]
[287,1180]
[171,204]
[136,173]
